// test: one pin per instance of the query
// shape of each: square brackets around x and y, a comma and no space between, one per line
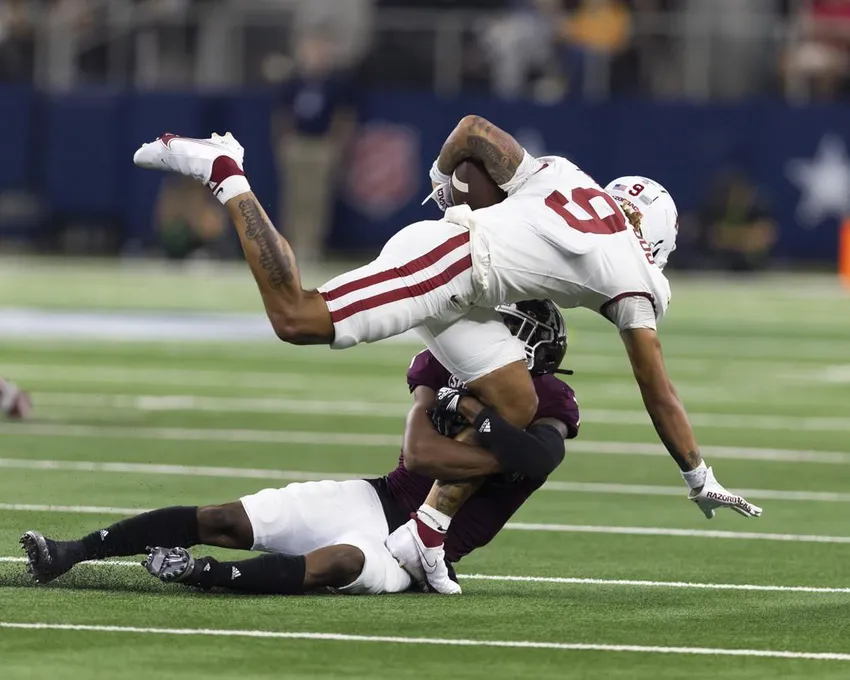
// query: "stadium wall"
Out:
[75,151]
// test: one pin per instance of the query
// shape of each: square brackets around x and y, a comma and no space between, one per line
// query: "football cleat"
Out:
[46,559]
[425,565]
[176,565]
[209,161]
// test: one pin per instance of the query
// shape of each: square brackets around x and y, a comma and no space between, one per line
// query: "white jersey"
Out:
[558,235]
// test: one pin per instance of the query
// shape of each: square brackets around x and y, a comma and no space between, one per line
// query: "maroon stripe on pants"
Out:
[411,291]
[411,267]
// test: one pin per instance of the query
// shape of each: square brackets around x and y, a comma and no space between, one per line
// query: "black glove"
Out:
[444,415]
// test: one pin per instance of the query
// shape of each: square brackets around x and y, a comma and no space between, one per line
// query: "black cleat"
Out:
[46,559]
[176,565]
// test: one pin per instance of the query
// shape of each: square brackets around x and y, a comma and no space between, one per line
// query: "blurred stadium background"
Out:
[740,107]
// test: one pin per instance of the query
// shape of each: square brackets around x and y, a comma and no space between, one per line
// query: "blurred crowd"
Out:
[548,49]
[317,54]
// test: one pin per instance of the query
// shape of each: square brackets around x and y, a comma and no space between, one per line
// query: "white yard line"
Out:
[663,531]
[517,526]
[730,452]
[651,584]
[303,475]
[93,563]
[653,490]
[185,402]
[255,436]
[177,470]
[451,642]
[181,377]
[200,434]
[578,446]
[561,580]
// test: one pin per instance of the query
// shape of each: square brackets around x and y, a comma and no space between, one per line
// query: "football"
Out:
[473,186]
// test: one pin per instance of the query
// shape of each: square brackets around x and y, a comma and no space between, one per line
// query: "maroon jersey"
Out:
[487,511]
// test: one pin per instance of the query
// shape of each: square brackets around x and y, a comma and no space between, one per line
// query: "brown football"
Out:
[472,185]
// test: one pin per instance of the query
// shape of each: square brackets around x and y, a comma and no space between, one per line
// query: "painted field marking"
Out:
[254,436]
[516,526]
[200,434]
[562,580]
[301,475]
[663,531]
[155,403]
[515,644]
[361,439]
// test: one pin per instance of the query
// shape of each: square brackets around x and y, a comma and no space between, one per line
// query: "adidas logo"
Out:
[235,574]
[207,566]
[485,426]
[103,534]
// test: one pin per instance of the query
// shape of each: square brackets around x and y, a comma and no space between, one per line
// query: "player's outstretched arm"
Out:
[668,415]
[476,137]
[297,315]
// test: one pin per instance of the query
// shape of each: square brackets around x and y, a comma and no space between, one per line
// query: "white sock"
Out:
[231,187]
[431,517]
[696,478]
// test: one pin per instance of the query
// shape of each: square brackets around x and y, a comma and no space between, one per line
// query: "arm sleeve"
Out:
[632,311]
[534,452]
[526,169]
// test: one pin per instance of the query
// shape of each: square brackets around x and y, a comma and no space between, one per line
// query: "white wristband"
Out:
[696,478]
[438,177]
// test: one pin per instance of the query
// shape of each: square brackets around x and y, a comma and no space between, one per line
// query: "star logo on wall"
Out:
[823,181]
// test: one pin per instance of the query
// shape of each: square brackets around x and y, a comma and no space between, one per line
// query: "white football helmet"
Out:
[659,219]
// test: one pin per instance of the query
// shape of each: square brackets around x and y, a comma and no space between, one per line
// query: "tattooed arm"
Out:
[660,398]
[297,316]
[476,137]
[448,497]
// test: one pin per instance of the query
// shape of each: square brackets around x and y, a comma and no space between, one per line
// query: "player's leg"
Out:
[223,526]
[424,273]
[303,526]
[481,351]
[48,558]
[362,565]
[303,517]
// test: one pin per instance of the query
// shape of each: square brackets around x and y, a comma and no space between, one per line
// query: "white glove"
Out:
[442,195]
[711,495]
[425,565]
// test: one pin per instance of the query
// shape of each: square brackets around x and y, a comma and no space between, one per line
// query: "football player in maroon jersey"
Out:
[332,534]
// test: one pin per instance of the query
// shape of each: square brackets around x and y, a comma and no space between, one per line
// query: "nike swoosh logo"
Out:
[423,558]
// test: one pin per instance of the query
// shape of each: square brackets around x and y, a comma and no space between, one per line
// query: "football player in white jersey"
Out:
[557,235]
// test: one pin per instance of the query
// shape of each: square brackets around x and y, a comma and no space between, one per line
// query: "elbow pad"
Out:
[534,452]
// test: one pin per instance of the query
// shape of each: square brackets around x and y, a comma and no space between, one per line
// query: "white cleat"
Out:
[425,565]
[209,161]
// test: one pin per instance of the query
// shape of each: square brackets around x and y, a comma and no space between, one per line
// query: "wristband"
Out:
[438,177]
[696,478]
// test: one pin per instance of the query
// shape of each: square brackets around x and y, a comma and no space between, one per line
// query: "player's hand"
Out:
[448,399]
[425,565]
[447,420]
[712,495]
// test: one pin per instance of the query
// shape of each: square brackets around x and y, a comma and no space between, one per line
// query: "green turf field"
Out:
[610,556]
